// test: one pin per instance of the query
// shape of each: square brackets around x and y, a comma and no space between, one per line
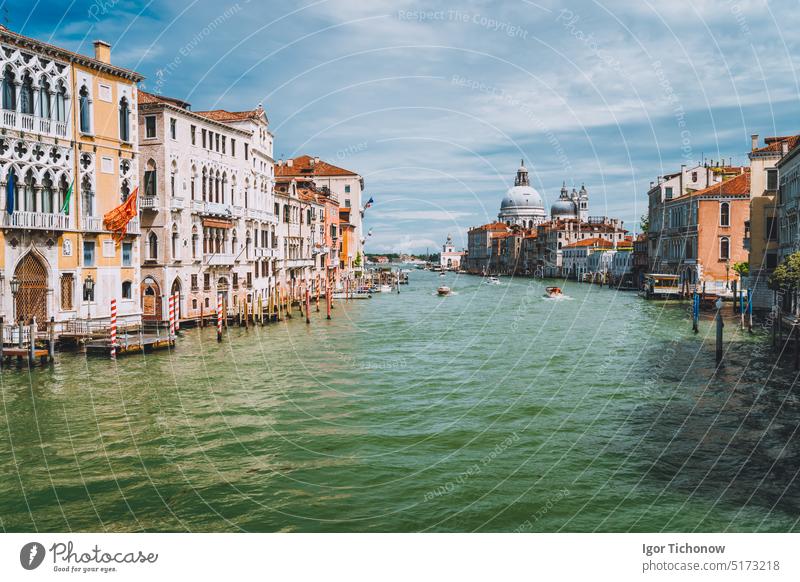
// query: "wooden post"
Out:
[19,334]
[317,285]
[328,297]
[308,305]
[51,346]
[750,310]
[32,341]
[734,295]
[720,325]
[2,340]
[219,318]
[695,311]
[202,315]
[796,330]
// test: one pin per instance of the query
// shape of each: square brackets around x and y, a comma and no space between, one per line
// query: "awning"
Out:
[217,223]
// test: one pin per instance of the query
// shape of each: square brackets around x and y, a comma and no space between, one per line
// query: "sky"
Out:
[435,103]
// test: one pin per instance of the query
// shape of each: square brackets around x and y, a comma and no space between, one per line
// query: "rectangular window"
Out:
[204,138]
[150,182]
[127,254]
[67,290]
[770,229]
[206,282]
[347,203]
[250,278]
[246,151]
[150,126]
[88,253]
[217,142]
[223,144]
[193,131]
[194,282]
[236,280]
[127,290]
[173,128]
[347,189]
[772,260]
[772,179]
[668,192]
[233,148]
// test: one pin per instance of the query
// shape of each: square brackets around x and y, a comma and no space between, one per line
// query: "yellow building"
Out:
[68,155]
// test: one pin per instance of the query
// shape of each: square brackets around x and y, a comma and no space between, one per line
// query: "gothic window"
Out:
[175,243]
[44,98]
[61,104]
[127,292]
[9,90]
[30,192]
[205,184]
[67,290]
[150,178]
[125,190]
[87,196]
[62,194]
[84,110]
[26,95]
[152,246]
[47,194]
[124,120]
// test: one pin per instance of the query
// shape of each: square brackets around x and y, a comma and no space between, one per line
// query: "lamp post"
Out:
[88,286]
[15,283]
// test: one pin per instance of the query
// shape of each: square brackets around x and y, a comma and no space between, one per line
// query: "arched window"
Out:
[124,120]
[724,214]
[205,185]
[61,103]
[62,194]
[87,196]
[48,200]
[172,178]
[152,246]
[194,242]
[26,95]
[125,190]
[127,292]
[150,178]
[9,90]
[224,187]
[175,243]
[84,110]
[30,192]
[44,98]
[191,182]
[724,248]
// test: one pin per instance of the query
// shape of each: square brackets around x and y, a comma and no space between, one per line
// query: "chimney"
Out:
[754,142]
[102,51]
[784,147]
[289,163]
[280,163]
[316,159]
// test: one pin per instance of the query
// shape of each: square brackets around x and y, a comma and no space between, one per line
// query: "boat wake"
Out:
[559,298]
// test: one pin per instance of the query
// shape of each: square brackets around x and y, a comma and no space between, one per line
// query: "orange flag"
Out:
[117,220]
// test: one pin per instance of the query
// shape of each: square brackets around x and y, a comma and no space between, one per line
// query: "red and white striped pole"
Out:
[177,311]
[219,317]
[113,329]
[171,316]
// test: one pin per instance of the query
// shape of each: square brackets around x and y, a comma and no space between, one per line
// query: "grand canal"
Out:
[492,410]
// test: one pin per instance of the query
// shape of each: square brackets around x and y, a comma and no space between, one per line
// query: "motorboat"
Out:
[442,274]
[385,288]
[356,295]
[444,290]
[553,292]
[493,281]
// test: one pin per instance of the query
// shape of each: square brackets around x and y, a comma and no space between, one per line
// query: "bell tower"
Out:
[522,175]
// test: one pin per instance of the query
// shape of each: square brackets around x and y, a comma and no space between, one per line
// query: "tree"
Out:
[357,260]
[645,223]
[787,274]
[742,269]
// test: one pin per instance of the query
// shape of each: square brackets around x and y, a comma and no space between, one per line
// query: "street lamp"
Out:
[15,283]
[88,287]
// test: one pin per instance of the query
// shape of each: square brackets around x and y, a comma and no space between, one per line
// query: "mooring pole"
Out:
[308,305]
[695,311]
[750,310]
[720,325]
[219,318]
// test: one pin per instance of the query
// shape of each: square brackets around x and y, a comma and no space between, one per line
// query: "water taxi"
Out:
[553,292]
[444,290]
[385,288]
[660,286]
[493,281]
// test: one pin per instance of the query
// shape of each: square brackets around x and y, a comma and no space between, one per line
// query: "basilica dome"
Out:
[522,205]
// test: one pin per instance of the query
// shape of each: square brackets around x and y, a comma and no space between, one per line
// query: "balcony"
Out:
[238,211]
[294,263]
[220,259]
[92,224]
[148,203]
[133,226]
[217,209]
[37,220]
[177,204]
[263,253]
[33,124]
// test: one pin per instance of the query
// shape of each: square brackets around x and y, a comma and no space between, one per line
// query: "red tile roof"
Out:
[145,97]
[733,187]
[310,166]
[223,115]
[591,242]
[774,143]
[492,226]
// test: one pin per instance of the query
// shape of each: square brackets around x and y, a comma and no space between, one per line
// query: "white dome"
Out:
[564,208]
[522,197]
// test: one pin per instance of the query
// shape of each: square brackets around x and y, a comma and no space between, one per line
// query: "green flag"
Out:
[67,196]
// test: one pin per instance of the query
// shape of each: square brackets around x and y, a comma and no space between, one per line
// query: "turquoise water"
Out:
[494,409]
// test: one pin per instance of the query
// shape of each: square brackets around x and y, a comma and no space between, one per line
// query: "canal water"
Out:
[493,409]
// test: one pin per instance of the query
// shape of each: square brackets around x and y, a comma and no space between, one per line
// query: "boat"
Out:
[385,289]
[442,274]
[493,281]
[553,292]
[444,290]
[660,286]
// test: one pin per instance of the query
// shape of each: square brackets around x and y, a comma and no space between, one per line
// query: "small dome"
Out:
[564,208]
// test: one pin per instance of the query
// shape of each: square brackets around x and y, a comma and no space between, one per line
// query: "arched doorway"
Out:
[151,300]
[31,300]
[176,292]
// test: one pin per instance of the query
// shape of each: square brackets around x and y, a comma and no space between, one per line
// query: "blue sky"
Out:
[435,103]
